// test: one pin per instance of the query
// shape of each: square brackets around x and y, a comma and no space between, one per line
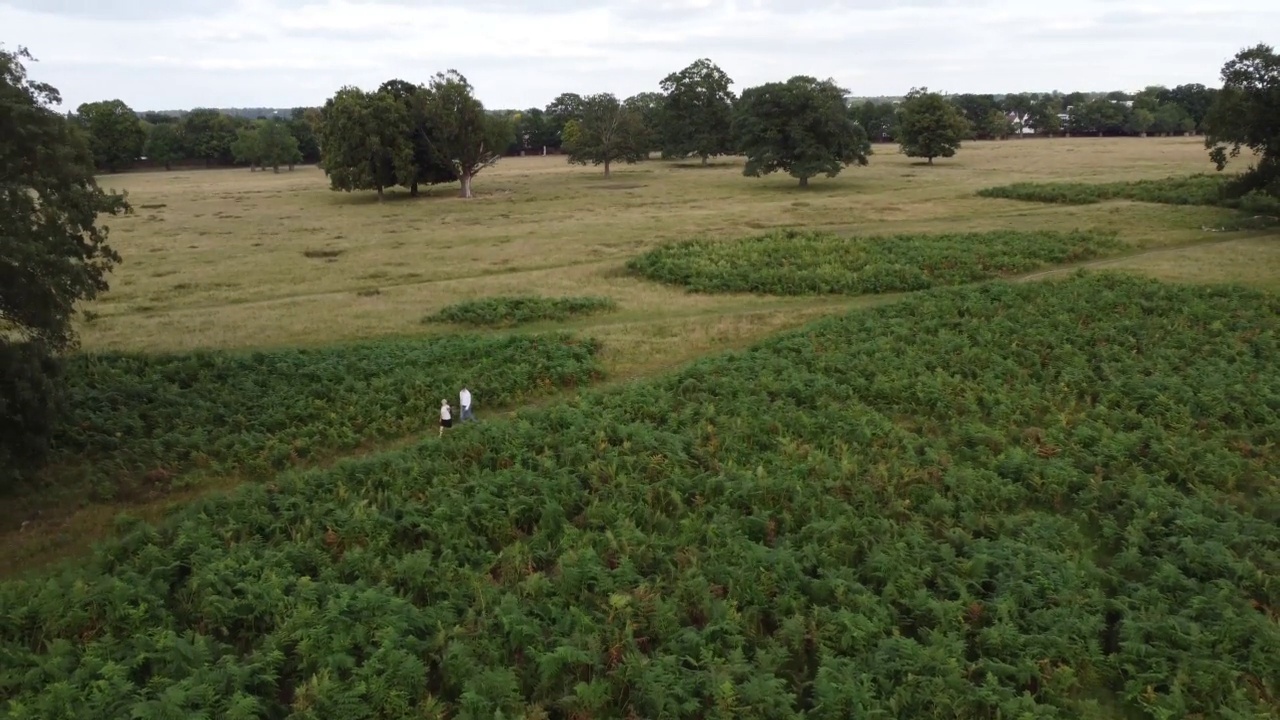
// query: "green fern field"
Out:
[1002,501]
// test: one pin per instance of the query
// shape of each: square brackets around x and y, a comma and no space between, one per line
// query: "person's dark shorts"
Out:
[446,423]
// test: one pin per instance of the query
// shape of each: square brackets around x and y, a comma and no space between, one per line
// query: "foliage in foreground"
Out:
[1202,189]
[996,501]
[159,415]
[796,262]
[506,311]
[53,253]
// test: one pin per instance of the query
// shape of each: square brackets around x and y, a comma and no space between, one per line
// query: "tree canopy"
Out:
[53,252]
[801,127]
[115,133]
[1247,115]
[267,143]
[605,131]
[164,143]
[461,132]
[365,138]
[698,112]
[930,127]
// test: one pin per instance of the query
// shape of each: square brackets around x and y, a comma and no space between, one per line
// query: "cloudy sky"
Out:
[169,54]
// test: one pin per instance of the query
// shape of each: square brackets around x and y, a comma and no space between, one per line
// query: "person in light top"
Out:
[464,402]
[446,417]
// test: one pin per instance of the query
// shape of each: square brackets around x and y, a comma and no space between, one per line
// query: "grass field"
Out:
[220,259]
[233,260]
[1089,429]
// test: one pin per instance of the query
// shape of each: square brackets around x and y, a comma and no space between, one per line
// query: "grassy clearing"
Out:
[976,500]
[509,311]
[224,263]
[1200,189]
[796,262]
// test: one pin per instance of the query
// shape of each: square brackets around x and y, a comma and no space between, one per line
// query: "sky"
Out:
[179,54]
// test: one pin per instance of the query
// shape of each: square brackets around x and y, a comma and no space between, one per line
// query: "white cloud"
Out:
[157,54]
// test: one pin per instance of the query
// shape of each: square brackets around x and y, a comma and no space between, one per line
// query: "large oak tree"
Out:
[365,141]
[801,127]
[698,115]
[604,132]
[53,253]
[462,133]
[116,135]
[929,126]
[1246,115]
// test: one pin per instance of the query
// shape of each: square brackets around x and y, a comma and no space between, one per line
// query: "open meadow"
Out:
[880,447]
[233,259]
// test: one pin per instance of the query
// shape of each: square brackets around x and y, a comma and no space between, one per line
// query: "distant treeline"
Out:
[122,138]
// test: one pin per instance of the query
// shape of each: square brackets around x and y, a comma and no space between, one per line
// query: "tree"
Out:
[1171,118]
[977,111]
[566,107]
[1100,115]
[929,126]
[365,141]
[535,130]
[878,119]
[1043,116]
[152,117]
[429,166]
[699,112]
[302,125]
[1246,114]
[462,133]
[115,133]
[275,145]
[1195,99]
[208,135]
[606,131]
[1140,122]
[996,125]
[801,126]
[164,144]
[1021,105]
[246,148]
[651,108]
[55,253]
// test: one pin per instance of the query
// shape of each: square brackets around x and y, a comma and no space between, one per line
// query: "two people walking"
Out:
[446,413]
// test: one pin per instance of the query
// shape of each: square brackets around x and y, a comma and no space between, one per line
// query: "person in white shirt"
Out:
[446,417]
[464,401]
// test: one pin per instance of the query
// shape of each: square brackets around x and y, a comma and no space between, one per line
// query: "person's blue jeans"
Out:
[466,415]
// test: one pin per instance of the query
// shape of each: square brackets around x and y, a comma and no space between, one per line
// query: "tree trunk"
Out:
[379,193]
[465,178]
[704,161]
[930,159]
[606,168]
[413,189]
[804,182]
[275,169]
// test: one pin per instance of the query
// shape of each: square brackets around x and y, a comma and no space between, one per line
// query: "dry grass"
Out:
[232,259]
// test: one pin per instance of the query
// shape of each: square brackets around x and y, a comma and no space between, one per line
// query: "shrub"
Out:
[795,262]
[1200,189]
[507,311]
